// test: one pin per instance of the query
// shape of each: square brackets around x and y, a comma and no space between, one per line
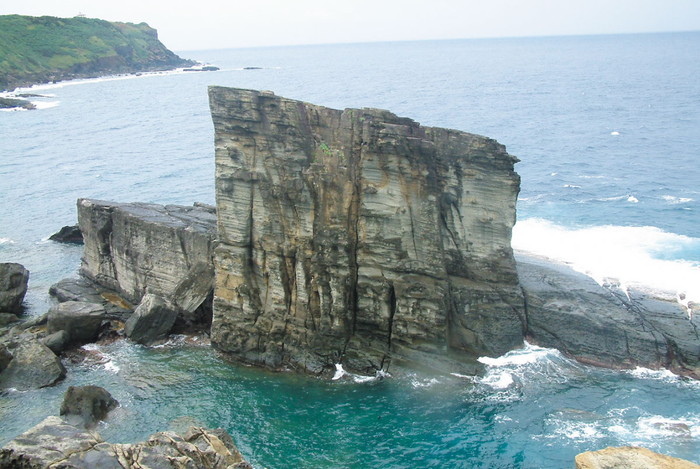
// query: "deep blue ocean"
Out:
[607,129]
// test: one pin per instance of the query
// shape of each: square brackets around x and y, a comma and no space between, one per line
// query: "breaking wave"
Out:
[644,257]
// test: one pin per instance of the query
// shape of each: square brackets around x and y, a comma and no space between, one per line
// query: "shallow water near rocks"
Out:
[607,132]
[532,408]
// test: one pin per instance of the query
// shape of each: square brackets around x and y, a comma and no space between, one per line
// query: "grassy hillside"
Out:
[42,49]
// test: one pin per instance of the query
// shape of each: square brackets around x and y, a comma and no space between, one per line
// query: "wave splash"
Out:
[643,257]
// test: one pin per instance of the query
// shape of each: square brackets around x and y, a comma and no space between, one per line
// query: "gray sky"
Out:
[218,24]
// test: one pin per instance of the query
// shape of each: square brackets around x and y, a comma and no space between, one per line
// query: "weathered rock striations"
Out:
[355,236]
[606,327]
[134,248]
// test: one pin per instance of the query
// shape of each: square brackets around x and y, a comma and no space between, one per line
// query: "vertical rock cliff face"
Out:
[356,236]
[133,248]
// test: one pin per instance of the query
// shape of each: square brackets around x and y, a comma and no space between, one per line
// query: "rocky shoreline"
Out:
[353,238]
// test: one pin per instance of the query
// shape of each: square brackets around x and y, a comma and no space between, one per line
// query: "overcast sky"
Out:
[217,24]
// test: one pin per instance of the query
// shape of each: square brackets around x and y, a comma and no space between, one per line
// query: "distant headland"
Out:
[48,49]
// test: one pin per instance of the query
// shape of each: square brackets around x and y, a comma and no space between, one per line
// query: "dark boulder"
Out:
[89,404]
[152,321]
[56,341]
[33,366]
[68,234]
[13,286]
[82,321]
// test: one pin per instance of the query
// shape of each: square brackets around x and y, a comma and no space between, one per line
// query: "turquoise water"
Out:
[532,409]
[607,132]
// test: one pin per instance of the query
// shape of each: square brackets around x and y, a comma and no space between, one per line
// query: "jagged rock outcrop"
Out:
[607,327]
[134,248]
[14,279]
[630,457]
[353,236]
[57,442]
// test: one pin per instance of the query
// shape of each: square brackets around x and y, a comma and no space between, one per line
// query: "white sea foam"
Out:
[339,372]
[6,241]
[633,199]
[671,199]
[572,186]
[628,254]
[111,367]
[45,104]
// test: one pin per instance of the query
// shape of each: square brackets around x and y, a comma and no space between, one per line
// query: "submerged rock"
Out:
[630,457]
[13,286]
[89,404]
[354,236]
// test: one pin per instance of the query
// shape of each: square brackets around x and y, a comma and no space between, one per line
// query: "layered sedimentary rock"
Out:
[133,248]
[353,236]
[607,327]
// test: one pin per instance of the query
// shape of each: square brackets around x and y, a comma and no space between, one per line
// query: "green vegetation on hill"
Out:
[46,48]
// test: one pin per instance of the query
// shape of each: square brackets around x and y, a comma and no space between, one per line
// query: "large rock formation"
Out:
[353,236]
[135,248]
[607,327]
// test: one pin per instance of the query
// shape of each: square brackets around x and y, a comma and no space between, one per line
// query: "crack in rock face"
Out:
[358,236]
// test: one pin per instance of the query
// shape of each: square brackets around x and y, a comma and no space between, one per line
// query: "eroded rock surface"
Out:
[55,442]
[351,236]
[607,327]
[134,247]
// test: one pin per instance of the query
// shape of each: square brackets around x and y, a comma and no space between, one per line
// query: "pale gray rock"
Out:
[13,286]
[87,404]
[152,321]
[353,236]
[82,321]
[630,457]
[33,366]
[132,248]
[55,442]
[606,327]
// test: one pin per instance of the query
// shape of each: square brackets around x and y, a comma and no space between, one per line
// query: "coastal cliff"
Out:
[356,236]
[44,49]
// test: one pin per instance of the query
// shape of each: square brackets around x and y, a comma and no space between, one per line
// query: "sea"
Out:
[607,130]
